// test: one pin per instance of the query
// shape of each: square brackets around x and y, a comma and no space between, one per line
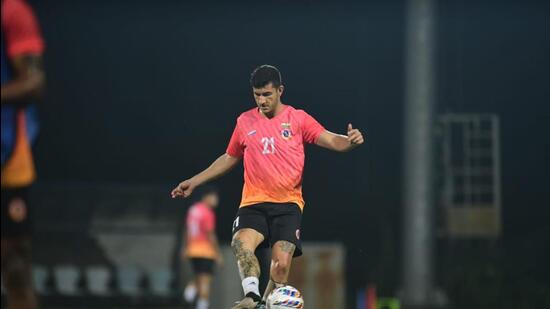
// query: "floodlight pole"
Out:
[418,223]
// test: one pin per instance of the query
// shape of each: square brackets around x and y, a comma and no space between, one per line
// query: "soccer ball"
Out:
[285,297]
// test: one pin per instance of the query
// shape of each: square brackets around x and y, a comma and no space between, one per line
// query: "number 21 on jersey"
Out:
[269,145]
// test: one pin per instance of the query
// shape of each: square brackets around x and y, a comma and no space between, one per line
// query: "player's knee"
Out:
[239,244]
[248,239]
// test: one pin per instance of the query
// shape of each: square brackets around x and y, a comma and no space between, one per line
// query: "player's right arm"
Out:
[28,81]
[24,47]
[184,243]
[222,165]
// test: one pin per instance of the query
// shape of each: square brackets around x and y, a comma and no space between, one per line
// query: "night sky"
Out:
[149,91]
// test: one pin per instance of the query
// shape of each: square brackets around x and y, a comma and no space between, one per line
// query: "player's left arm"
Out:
[28,82]
[339,142]
[184,243]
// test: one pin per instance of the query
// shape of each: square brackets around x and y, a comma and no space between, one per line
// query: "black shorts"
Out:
[202,266]
[275,221]
[16,213]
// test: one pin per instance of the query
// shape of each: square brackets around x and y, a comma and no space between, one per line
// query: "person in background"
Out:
[201,247]
[22,83]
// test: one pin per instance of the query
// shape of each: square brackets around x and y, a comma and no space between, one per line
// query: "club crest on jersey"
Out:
[286,133]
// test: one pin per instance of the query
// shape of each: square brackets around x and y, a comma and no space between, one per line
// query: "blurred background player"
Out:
[201,247]
[270,138]
[22,83]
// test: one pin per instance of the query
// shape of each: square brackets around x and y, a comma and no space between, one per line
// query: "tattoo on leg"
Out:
[286,246]
[246,260]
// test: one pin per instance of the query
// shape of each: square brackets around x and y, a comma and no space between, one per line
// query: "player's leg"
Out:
[204,281]
[16,273]
[16,250]
[250,229]
[204,270]
[285,234]
[244,244]
[281,260]
[190,292]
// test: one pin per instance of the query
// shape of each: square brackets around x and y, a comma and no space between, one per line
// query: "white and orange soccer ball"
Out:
[285,297]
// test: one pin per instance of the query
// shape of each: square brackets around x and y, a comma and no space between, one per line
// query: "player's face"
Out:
[268,98]
[212,200]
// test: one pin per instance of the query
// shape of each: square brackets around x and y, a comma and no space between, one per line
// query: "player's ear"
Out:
[281,90]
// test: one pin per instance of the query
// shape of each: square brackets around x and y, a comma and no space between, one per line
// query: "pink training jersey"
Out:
[273,154]
[199,223]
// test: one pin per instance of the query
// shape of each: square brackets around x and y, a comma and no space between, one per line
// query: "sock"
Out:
[202,303]
[190,293]
[251,285]
[255,297]
[278,285]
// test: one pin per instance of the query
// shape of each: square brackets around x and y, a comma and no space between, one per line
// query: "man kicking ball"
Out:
[270,139]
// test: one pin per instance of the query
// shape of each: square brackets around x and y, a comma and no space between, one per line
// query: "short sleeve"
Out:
[209,221]
[21,31]
[236,144]
[311,129]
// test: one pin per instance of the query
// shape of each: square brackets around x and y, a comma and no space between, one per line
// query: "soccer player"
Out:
[270,139]
[22,82]
[202,247]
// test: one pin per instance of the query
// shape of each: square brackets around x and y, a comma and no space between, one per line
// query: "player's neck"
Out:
[280,107]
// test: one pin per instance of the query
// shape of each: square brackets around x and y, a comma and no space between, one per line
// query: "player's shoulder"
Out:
[209,211]
[195,208]
[201,210]
[248,115]
[14,8]
[297,113]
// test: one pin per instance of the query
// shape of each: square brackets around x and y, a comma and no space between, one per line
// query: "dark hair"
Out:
[206,190]
[265,74]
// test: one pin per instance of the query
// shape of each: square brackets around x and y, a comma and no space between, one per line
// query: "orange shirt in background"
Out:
[200,221]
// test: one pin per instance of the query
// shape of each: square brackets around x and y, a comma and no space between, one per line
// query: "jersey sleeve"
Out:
[236,144]
[21,31]
[311,128]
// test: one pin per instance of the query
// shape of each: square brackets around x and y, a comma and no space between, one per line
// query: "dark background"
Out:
[148,92]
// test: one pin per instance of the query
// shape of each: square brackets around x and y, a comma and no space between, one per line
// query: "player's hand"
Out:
[355,137]
[184,189]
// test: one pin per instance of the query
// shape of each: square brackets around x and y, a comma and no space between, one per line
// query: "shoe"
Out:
[188,303]
[246,303]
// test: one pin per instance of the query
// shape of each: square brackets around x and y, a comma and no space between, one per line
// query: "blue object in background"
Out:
[361,299]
